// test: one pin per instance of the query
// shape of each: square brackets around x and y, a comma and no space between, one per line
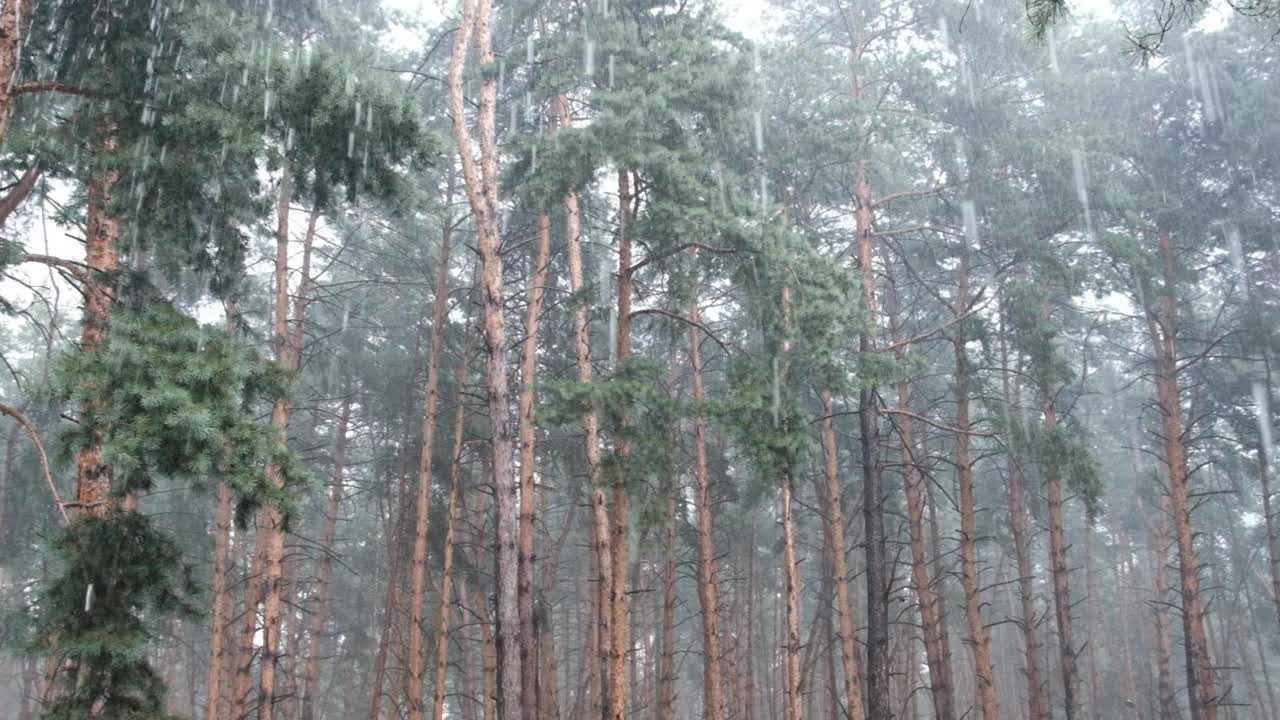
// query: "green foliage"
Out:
[635,410]
[119,574]
[173,399]
[1060,450]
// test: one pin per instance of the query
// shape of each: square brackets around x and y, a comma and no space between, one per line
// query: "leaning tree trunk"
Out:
[418,604]
[482,196]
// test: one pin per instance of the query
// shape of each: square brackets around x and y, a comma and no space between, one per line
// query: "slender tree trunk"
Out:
[1162,324]
[220,605]
[1059,569]
[418,604]
[528,466]
[988,697]
[833,527]
[704,508]
[446,571]
[482,196]
[1160,589]
[1019,524]
[1095,638]
[320,612]
[793,670]
[1264,471]
[600,534]
[666,684]
[937,652]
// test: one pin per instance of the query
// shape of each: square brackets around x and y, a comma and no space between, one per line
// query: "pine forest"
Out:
[639,359]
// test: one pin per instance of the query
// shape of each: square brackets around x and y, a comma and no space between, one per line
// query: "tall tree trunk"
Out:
[988,697]
[619,623]
[1162,322]
[878,659]
[1059,569]
[446,570]
[1019,523]
[704,508]
[418,604]
[482,196]
[528,465]
[833,528]
[937,652]
[793,671]
[220,606]
[324,570]
[288,349]
[600,531]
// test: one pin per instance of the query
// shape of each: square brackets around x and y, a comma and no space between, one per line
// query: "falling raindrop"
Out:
[611,68]
[1053,50]
[351,143]
[533,159]
[266,104]
[351,84]
[1081,174]
[528,50]
[777,391]
[764,195]
[589,57]
[1205,74]
[758,126]
[970,215]
[1262,408]
[966,79]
